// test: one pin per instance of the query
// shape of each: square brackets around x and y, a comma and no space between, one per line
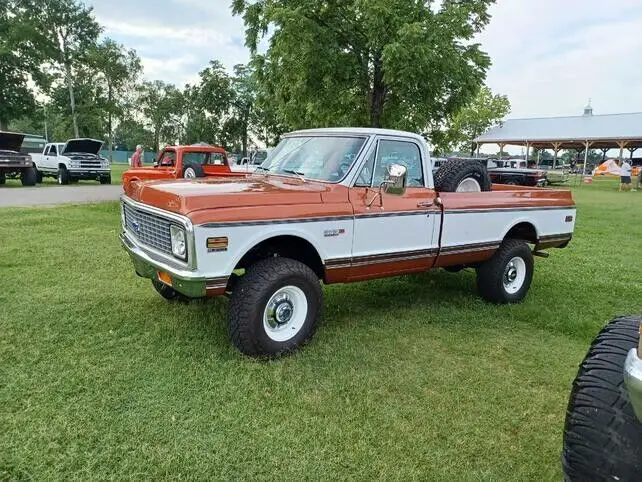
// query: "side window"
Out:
[365,176]
[216,159]
[168,159]
[194,158]
[398,152]
[53,151]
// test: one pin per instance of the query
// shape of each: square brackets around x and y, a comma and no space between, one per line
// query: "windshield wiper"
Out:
[263,168]
[296,173]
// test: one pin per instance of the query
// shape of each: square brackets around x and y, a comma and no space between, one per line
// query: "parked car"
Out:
[76,159]
[189,162]
[13,163]
[557,175]
[603,430]
[337,206]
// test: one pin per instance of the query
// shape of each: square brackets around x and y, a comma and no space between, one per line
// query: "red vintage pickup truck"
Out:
[336,206]
[189,162]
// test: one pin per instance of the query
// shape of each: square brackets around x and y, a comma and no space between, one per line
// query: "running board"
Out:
[541,254]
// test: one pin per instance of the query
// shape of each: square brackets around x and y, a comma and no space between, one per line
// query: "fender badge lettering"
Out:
[329,233]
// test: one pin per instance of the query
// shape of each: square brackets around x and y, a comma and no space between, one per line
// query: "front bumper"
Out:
[633,380]
[146,265]
[88,173]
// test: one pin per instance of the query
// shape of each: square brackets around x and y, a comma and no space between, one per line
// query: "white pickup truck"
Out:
[336,206]
[74,160]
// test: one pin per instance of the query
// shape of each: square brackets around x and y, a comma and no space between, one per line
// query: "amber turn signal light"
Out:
[217,244]
[164,277]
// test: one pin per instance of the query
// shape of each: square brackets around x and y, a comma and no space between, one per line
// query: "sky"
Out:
[549,56]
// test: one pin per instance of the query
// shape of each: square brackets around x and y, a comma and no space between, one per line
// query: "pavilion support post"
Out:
[556,149]
[477,150]
[632,149]
[587,145]
[538,154]
[527,149]
[622,145]
[501,151]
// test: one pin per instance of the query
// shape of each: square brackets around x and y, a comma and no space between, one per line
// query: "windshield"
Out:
[319,158]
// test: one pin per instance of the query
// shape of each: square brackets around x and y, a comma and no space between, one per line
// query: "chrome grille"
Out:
[148,229]
[90,164]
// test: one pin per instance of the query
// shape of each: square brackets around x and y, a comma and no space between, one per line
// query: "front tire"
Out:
[105,179]
[29,176]
[507,276]
[275,308]
[602,436]
[63,176]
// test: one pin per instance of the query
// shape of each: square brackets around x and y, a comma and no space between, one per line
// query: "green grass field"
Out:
[408,378]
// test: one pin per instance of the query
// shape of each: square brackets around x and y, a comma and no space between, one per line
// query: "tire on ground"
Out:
[454,172]
[29,176]
[3,178]
[249,317]
[38,176]
[602,436]
[105,179]
[169,293]
[63,175]
[196,169]
[507,276]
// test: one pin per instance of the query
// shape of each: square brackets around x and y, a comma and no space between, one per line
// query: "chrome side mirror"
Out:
[396,180]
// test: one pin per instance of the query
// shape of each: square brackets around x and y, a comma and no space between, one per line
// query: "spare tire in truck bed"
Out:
[459,175]
[602,436]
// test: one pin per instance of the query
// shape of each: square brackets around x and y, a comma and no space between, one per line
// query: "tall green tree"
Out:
[19,56]
[66,30]
[116,71]
[486,110]
[163,107]
[383,63]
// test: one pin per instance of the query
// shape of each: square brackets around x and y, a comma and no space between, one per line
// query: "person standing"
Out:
[625,176]
[639,179]
[137,157]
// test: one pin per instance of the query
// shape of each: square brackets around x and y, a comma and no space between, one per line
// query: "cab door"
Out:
[165,166]
[393,234]
[216,164]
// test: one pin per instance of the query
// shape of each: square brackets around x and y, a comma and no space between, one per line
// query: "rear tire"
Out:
[63,176]
[507,276]
[169,293]
[602,436]
[458,174]
[105,179]
[274,308]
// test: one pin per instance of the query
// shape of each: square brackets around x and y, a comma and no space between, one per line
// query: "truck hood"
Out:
[11,141]
[85,146]
[186,196]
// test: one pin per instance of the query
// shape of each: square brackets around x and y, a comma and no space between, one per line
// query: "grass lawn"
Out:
[411,377]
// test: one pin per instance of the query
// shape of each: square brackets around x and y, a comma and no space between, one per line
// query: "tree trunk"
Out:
[72,99]
[4,125]
[378,92]
[109,124]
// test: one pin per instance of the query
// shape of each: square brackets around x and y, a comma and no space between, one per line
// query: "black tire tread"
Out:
[491,272]
[29,176]
[452,172]
[250,289]
[602,436]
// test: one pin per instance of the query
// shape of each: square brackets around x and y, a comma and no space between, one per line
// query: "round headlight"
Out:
[179,246]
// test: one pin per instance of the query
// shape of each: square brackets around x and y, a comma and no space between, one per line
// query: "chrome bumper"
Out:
[633,380]
[146,265]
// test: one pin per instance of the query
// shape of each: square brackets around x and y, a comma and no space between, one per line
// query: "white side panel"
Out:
[470,227]
[394,234]
[242,238]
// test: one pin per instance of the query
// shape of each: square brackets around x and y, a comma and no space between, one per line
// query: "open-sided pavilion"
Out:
[588,131]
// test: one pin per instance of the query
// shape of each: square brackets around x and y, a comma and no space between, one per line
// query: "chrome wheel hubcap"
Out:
[285,313]
[514,275]
[190,174]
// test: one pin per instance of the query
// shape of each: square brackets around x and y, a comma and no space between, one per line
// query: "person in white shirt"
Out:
[625,176]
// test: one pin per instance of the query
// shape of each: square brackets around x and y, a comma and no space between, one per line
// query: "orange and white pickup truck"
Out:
[335,206]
